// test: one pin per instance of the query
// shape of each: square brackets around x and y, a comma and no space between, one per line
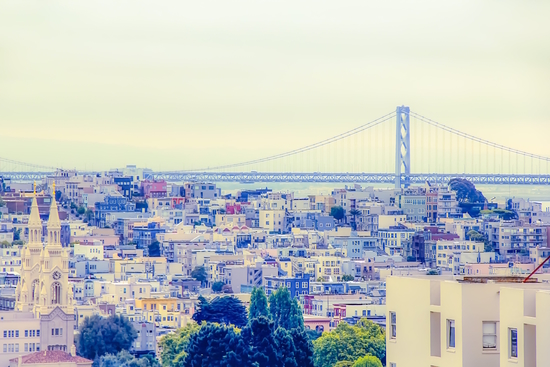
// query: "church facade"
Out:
[44,288]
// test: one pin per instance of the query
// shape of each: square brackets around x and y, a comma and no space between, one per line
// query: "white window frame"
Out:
[393,325]
[510,354]
[489,334]
[451,334]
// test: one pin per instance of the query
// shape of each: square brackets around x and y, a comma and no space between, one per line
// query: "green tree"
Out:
[337,212]
[284,310]
[320,279]
[199,273]
[173,345]
[217,286]
[216,345]
[18,243]
[258,335]
[344,364]
[17,234]
[368,361]
[223,310]
[354,214]
[58,195]
[347,277]
[466,191]
[5,244]
[154,249]
[88,215]
[349,343]
[258,304]
[304,347]
[2,203]
[125,359]
[81,210]
[99,336]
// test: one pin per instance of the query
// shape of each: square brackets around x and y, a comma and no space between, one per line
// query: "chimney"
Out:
[19,361]
[73,350]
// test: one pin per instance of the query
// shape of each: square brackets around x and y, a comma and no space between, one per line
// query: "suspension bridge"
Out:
[401,148]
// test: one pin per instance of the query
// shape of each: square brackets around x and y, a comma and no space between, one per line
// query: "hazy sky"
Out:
[181,84]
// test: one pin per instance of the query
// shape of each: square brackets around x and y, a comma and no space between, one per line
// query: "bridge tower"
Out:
[402,147]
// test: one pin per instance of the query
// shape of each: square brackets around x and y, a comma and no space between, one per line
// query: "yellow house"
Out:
[329,267]
[285,263]
[272,220]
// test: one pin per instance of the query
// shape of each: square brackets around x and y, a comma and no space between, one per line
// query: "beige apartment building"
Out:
[436,321]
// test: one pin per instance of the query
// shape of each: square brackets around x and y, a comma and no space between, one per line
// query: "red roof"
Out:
[51,356]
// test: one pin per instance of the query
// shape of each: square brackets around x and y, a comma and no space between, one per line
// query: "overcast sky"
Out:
[181,84]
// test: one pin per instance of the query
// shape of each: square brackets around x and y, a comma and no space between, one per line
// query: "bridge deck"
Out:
[251,177]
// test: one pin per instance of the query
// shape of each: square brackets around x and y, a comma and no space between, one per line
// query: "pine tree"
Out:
[225,310]
[303,346]
[258,304]
[284,310]
[216,345]
[285,348]
[259,336]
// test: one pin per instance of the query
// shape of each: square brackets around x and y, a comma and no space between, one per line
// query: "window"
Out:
[26,334]
[17,333]
[393,325]
[513,343]
[451,342]
[489,335]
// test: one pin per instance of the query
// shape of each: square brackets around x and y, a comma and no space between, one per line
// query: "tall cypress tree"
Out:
[285,348]
[216,345]
[303,347]
[258,304]
[259,337]
[284,310]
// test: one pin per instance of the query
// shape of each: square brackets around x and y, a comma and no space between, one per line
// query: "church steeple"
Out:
[54,224]
[35,224]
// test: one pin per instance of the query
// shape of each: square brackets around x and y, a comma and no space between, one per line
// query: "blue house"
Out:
[125,184]
[296,285]
[144,236]
[109,205]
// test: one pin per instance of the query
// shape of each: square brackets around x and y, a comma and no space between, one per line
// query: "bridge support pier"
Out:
[402,147]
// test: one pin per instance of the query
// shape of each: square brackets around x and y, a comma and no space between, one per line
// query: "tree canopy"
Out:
[347,277]
[199,273]
[217,286]
[258,304]
[216,345]
[99,336]
[223,310]
[284,310]
[466,191]
[349,343]
[173,345]
[154,249]
[368,361]
[337,212]
[265,340]
[125,359]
